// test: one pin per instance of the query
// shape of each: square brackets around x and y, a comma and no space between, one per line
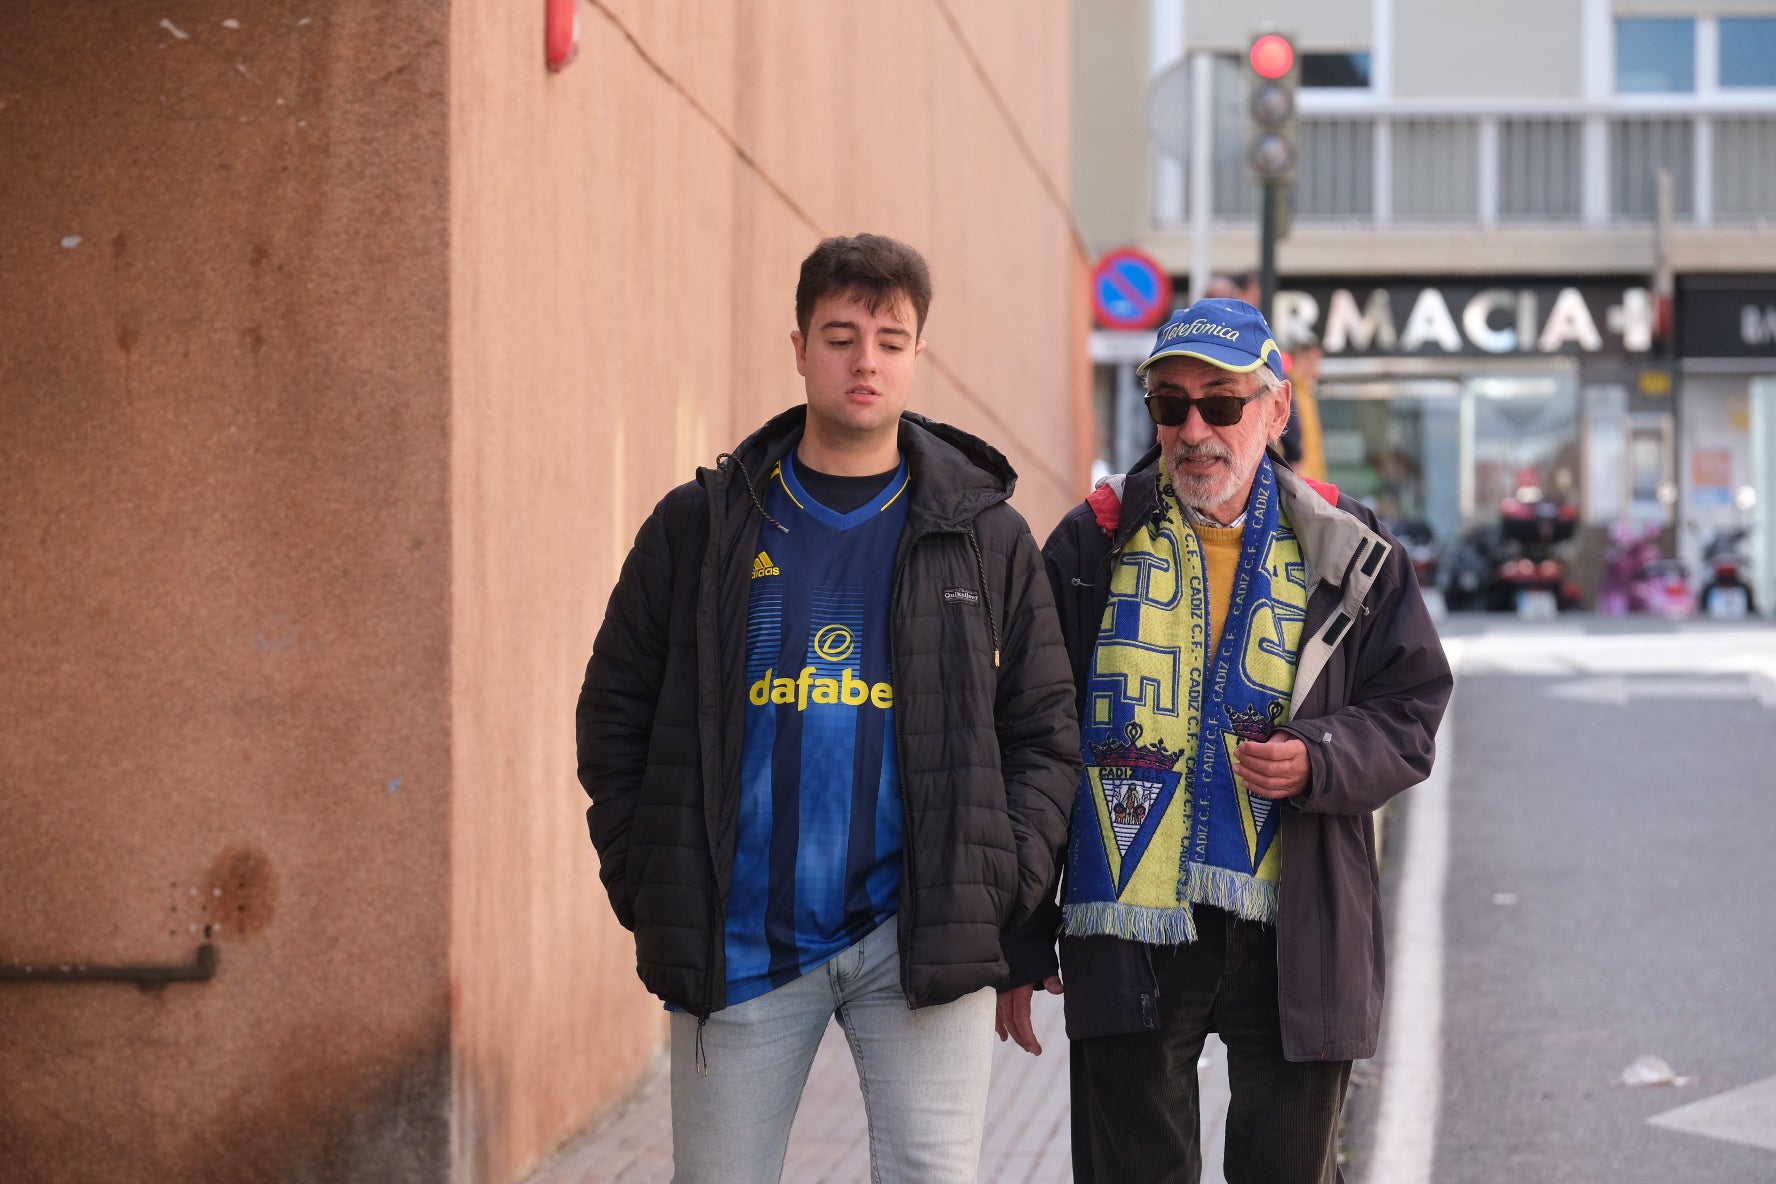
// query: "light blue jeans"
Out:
[924,1074]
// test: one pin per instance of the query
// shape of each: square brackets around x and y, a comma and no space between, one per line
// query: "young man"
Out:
[829,738]
[1257,674]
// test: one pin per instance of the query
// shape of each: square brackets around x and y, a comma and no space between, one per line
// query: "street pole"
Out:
[1267,236]
[1665,195]
[1202,181]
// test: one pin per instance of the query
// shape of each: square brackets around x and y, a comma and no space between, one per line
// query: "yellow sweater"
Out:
[1221,556]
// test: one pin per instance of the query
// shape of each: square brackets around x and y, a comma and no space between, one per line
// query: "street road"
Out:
[1589,877]
[1589,880]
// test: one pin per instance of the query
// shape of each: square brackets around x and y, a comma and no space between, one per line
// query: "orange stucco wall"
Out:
[626,238]
[224,587]
[344,349]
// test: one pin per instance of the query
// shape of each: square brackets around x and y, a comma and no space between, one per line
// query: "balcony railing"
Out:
[1407,164]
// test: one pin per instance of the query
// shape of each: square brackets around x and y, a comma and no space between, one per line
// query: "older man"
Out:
[1256,674]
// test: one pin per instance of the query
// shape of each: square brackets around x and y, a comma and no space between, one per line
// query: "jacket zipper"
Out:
[980,567]
[906,806]
[1150,1003]
[717,916]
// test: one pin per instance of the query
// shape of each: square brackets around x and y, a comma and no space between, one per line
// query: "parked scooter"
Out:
[1471,567]
[1661,588]
[1633,547]
[1426,554]
[1533,579]
[1421,547]
[1515,564]
[1639,578]
[1727,593]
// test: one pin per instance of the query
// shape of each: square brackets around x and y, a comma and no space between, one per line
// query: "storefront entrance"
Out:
[1447,449]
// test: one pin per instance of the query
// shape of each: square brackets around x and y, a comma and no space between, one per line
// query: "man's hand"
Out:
[1013,1018]
[1276,768]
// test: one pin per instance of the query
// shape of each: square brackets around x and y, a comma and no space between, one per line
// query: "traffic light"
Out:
[1270,107]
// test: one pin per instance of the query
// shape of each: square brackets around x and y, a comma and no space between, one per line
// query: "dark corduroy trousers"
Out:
[1135,1107]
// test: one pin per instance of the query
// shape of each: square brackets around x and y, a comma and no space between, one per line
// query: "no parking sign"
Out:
[1130,290]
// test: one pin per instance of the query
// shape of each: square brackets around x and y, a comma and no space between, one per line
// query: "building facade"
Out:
[346,347]
[1535,244]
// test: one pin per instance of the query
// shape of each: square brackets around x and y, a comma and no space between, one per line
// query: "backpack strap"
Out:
[1106,503]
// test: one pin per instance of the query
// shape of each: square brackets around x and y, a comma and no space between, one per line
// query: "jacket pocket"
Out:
[1010,881]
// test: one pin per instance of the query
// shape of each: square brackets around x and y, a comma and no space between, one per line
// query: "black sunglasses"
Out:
[1218,411]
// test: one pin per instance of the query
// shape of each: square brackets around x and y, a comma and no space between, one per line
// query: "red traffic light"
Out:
[1272,56]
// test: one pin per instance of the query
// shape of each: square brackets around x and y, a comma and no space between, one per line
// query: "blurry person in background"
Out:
[1307,452]
[1240,286]
[1302,444]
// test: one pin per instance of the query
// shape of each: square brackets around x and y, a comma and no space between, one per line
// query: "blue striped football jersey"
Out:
[818,858]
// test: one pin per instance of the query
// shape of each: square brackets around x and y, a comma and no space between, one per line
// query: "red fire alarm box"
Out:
[562,34]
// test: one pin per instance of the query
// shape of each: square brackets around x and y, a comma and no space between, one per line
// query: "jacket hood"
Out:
[955,475]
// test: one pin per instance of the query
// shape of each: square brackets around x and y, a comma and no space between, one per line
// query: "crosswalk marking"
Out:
[1745,1115]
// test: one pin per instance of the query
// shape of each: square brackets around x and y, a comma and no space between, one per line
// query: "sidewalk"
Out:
[1026,1139]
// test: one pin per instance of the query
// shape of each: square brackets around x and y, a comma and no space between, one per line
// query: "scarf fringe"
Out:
[1246,897]
[1131,922]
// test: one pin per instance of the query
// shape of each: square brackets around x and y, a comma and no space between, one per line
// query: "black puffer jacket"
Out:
[989,755]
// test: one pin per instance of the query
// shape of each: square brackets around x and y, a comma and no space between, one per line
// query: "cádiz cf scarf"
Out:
[1161,821]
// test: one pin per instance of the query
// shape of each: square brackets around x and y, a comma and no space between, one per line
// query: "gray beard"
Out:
[1195,493]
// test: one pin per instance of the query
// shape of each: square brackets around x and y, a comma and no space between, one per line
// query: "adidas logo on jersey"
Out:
[762,566]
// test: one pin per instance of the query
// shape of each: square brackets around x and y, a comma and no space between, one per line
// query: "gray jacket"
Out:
[1371,684]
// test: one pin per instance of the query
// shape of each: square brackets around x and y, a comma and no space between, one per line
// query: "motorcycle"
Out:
[1532,578]
[1639,578]
[1515,565]
[1662,589]
[1633,547]
[1727,593]
[1426,554]
[1420,542]
[1470,567]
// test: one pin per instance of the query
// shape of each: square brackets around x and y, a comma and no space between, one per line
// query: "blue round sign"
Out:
[1130,290]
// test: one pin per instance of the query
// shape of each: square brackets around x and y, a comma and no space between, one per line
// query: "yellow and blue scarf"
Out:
[1161,821]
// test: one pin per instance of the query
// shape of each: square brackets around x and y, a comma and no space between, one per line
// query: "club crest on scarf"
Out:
[1131,776]
[1249,723]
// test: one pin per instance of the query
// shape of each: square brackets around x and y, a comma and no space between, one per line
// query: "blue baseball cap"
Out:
[1230,334]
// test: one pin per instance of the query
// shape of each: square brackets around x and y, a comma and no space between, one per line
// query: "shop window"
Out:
[1443,453]
[1540,166]
[1656,55]
[1337,176]
[1650,488]
[1744,166]
[1639,150]
[1335,70]
[1436,169]
[1748,52]
[1525,441]
[1396,447]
